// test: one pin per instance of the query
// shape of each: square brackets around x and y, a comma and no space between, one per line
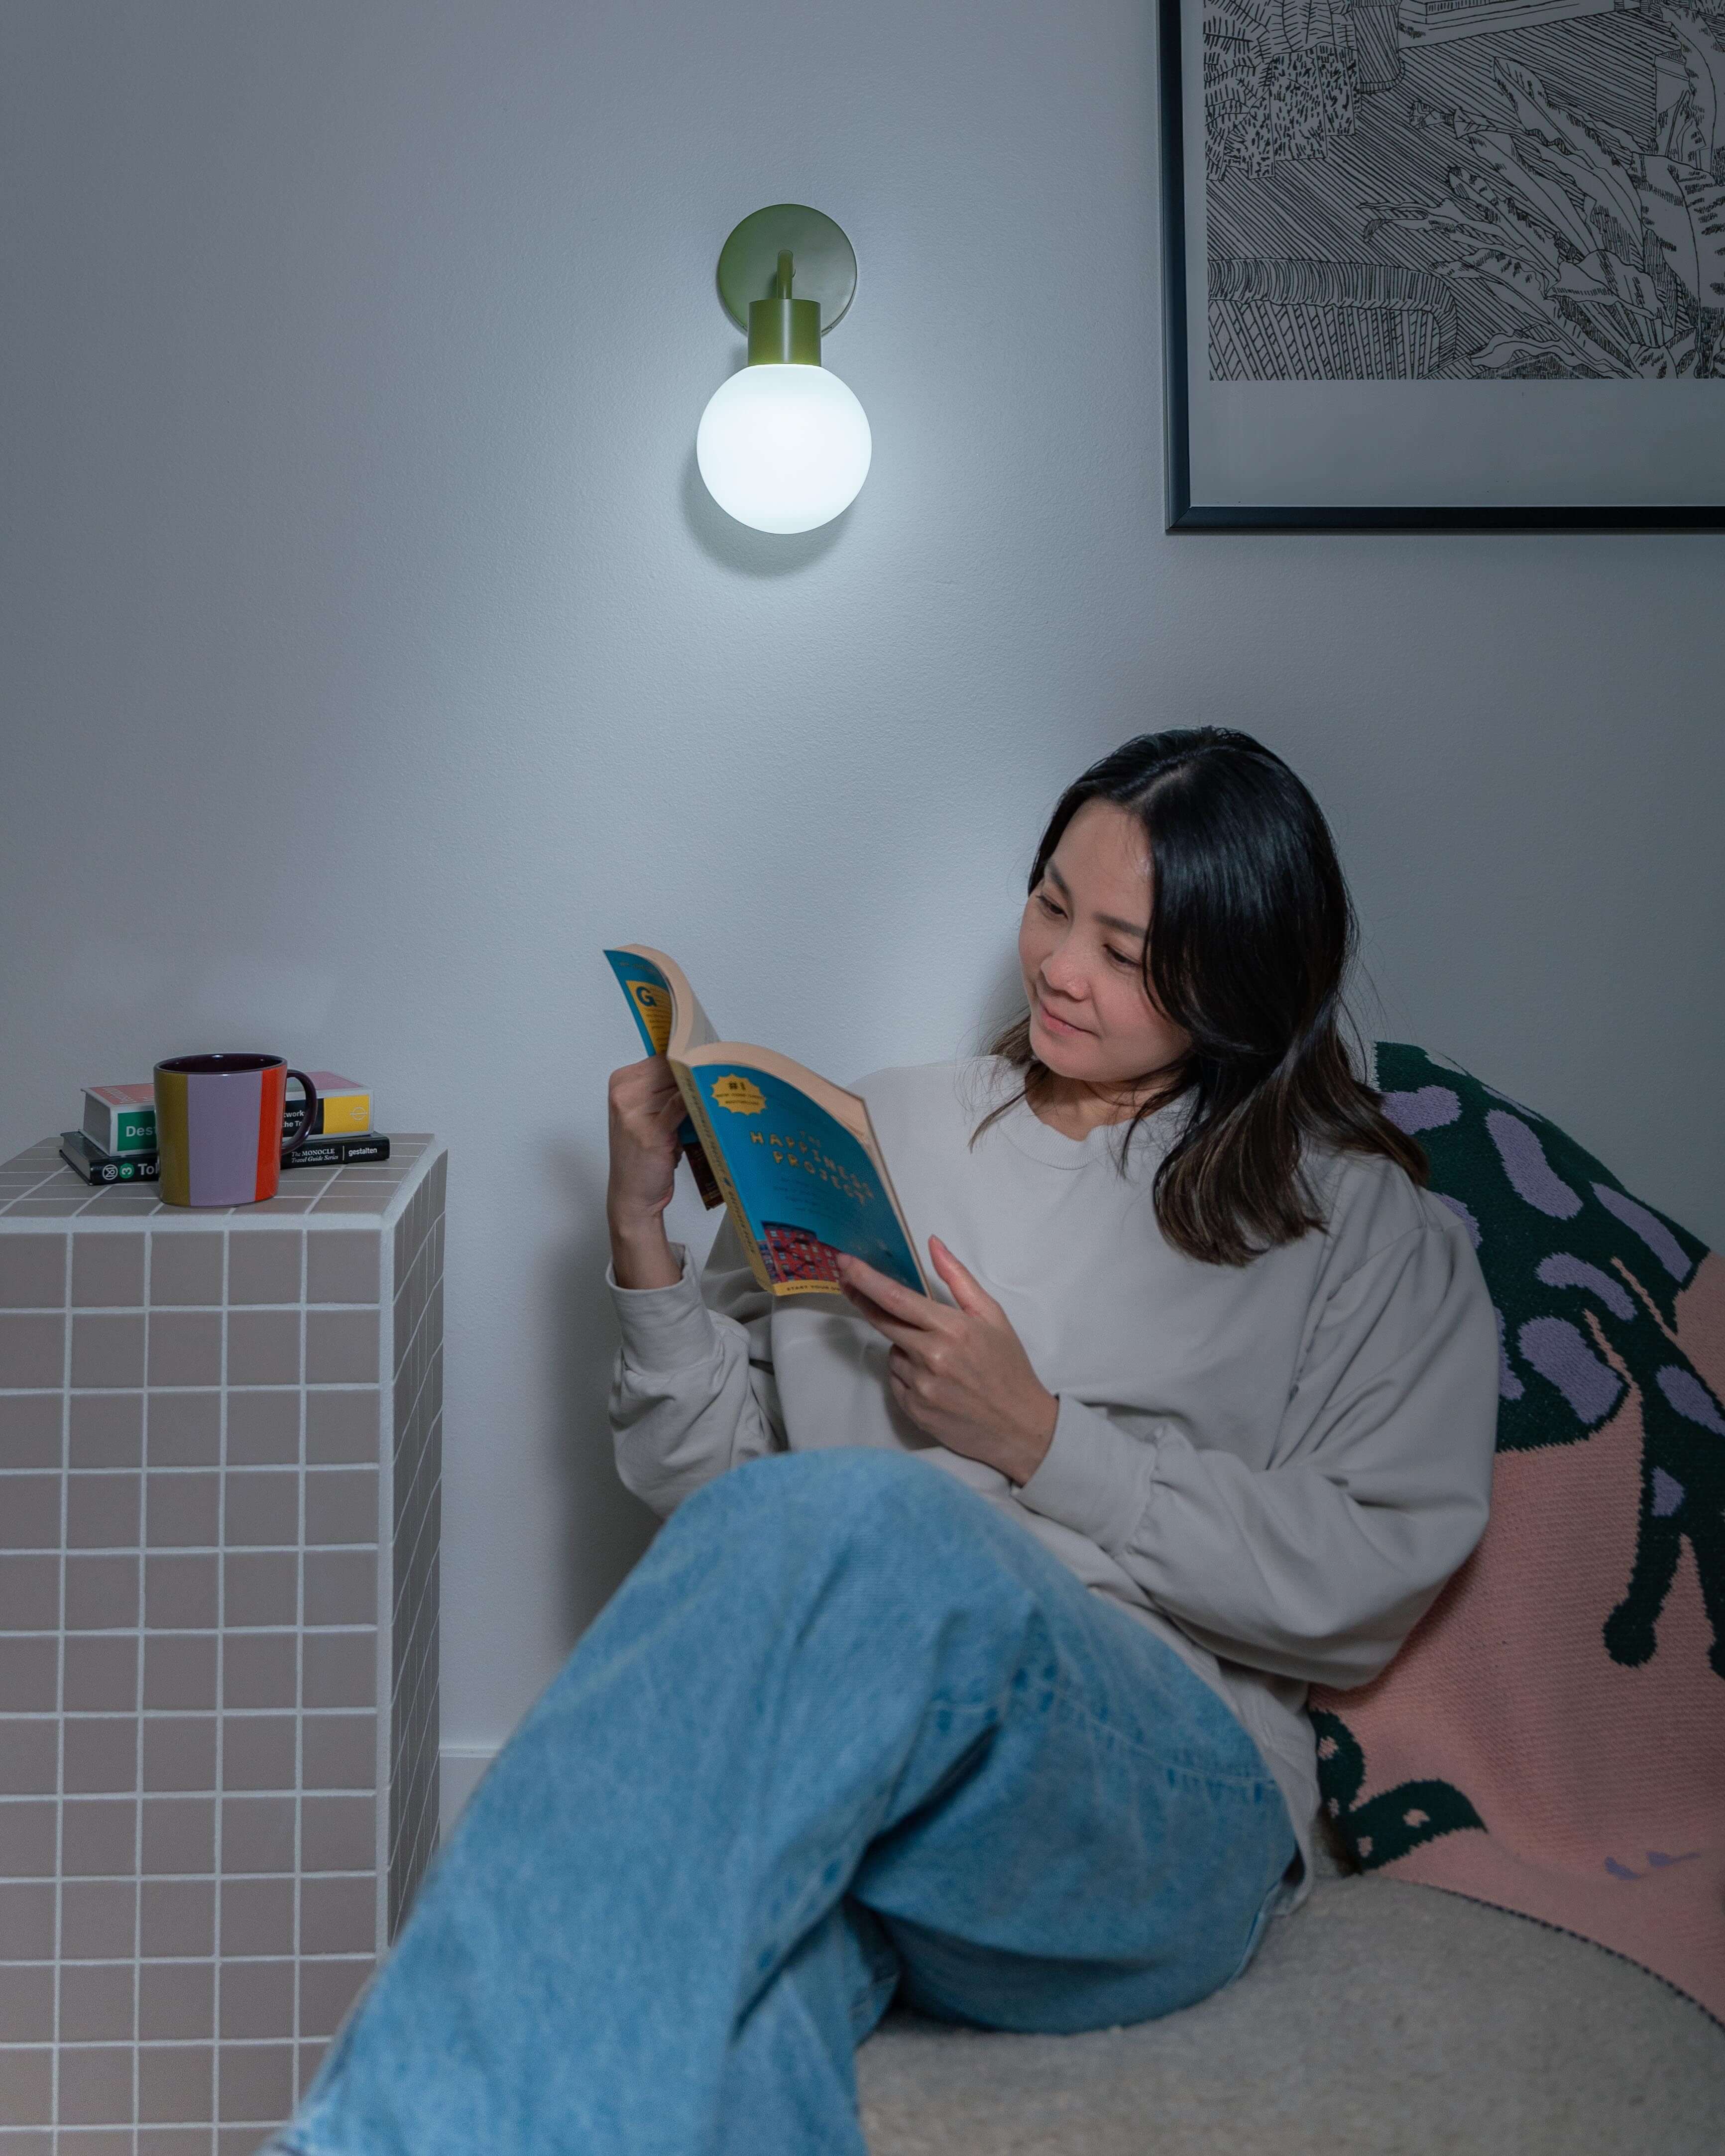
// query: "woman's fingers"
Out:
[645,1111]
[894,1329]
[906,1304]
[645,1094]
[642,1084]
[968,1291]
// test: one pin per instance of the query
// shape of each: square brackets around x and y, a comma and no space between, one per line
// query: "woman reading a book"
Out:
[970,1664]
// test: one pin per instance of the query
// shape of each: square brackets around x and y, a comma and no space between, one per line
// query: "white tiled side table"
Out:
[220,1437]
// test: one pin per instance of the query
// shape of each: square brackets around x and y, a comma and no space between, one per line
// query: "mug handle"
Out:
[288,1150]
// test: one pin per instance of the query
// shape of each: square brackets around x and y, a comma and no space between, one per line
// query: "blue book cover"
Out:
[796,1156]
[652,1003]
[805,1184]
[650,997]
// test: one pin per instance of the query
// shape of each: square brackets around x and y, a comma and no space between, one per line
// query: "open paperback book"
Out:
[793,1156]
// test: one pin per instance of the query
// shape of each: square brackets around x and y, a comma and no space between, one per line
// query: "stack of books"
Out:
[116,1140]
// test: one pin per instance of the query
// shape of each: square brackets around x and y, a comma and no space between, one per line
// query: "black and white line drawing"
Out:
[1465,189]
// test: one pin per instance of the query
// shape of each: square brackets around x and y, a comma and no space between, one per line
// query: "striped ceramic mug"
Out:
[219,1123]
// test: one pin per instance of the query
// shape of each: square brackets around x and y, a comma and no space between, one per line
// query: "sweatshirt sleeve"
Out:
[1317,1567]
[692,1391]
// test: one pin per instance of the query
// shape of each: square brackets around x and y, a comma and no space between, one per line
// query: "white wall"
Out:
[371,653]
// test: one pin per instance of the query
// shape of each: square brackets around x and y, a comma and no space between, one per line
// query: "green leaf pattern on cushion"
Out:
[1389,1825]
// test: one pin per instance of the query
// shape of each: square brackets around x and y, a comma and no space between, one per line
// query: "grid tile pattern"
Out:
[36,1185]
[418,1453]
[219,1447]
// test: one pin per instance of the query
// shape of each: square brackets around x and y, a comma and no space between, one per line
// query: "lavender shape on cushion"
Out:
[1586,1280]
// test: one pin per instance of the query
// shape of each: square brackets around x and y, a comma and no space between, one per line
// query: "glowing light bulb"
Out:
[784,448]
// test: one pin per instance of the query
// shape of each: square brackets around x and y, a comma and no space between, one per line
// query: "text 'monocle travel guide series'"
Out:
[793,1157]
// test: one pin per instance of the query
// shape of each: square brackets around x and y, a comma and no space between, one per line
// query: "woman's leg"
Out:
[790,2079]
[1117,1860]
[836,1673]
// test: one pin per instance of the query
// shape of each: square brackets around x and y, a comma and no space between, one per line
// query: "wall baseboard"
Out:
[460,1767]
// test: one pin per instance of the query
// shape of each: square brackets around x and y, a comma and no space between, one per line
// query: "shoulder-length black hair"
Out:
[1252,933]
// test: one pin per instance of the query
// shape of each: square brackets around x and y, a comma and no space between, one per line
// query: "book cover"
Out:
[805,1182]
[795,1157]
[345,1151]
[344,1106]
[120,1120]
[96,1165]
[652,1003]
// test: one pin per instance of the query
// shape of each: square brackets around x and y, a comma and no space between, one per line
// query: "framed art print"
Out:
[1438,265]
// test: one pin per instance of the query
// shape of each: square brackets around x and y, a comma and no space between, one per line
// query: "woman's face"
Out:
[1081,953]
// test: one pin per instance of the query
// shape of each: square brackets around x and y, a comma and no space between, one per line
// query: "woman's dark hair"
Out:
[1252,934]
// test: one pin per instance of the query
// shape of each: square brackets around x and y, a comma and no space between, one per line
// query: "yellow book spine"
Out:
[346,1113]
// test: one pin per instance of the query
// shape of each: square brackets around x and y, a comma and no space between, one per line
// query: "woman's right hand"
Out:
[646,1111]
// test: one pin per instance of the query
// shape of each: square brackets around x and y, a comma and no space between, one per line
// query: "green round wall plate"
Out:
[824,262]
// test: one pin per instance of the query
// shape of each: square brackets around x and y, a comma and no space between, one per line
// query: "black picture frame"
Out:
[1183,515]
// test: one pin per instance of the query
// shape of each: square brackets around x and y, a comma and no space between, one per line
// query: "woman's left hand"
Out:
[962,1376]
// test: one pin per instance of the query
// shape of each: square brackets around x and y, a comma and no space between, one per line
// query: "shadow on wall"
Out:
[1001,1005]
[606,1530]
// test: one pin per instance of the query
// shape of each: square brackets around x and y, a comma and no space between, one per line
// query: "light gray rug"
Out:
[1381,2019]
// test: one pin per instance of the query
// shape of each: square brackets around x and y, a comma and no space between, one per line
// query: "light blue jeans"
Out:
[845,1731]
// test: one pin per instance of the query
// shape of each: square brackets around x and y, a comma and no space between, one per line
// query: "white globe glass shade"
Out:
[784,448]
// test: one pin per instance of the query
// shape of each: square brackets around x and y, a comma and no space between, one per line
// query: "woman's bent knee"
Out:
[842,1496]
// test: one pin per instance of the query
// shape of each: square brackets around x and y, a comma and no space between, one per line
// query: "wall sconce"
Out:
[784,445]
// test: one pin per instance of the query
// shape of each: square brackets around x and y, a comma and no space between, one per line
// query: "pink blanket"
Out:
[1551,1737]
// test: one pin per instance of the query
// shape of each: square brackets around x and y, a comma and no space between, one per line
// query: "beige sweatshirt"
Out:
[1274,1466]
